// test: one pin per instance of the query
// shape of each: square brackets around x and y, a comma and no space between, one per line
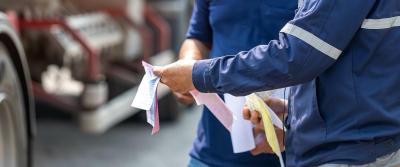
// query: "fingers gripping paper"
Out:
[146,97]
[275,118]
[256,103]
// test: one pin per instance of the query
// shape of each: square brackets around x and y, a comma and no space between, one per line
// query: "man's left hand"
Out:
[279,106]
[177,76]
[263,146]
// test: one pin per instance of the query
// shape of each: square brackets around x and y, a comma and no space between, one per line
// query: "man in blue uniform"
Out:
[221,27]
[343,60]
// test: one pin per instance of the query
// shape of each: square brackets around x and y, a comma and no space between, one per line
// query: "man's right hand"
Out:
[184,98]
[279,106]
[191,49]
[262,146]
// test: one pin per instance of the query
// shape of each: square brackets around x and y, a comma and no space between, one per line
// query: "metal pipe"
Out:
[93,70]
[162,27]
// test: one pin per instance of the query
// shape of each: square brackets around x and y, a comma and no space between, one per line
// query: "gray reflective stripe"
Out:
[381,23]
[312,40]
[300,3]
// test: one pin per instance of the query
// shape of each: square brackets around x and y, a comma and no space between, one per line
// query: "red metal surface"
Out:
[93,59]
[27,24]
[162,27]
[146,37]
[145,34]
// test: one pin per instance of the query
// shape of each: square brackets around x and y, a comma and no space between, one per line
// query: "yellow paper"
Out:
[255,103]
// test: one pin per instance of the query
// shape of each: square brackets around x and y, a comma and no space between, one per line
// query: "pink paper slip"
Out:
[217,107]
[156,126]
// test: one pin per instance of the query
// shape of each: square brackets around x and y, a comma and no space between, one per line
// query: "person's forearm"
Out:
[307,46]
[193,49]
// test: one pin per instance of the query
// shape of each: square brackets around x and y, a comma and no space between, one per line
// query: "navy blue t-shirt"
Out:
[231,26]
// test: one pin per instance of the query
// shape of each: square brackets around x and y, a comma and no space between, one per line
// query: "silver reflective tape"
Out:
[384,23]
[300,3]
[312,40]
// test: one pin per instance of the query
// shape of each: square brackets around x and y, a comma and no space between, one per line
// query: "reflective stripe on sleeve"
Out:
[384,23]
[312,40]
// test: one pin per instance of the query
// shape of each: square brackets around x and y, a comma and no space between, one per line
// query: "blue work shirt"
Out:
[231,26]
[343,60]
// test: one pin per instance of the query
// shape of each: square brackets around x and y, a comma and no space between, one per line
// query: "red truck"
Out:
[81,57]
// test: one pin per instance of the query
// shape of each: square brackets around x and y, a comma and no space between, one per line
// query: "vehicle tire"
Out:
[14,150]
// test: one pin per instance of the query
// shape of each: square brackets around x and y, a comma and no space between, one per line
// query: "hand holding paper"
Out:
[255,103]
[146,97]
[177,76]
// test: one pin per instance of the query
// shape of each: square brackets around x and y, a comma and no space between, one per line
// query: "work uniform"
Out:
[230,26]
[342,58]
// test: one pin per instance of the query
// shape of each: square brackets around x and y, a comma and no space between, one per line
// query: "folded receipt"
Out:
[146,97]
[255,103]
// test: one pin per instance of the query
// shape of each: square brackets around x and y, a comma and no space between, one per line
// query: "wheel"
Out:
[14,149]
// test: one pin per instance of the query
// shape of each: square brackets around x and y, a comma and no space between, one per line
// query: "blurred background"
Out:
[74,67]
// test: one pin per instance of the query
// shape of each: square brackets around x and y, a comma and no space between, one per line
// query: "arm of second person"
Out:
[191,49]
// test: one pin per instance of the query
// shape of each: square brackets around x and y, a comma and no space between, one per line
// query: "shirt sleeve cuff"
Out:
[201,76]
[201,38]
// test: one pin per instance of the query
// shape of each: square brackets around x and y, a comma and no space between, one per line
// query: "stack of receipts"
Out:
[146,97]
[230,115]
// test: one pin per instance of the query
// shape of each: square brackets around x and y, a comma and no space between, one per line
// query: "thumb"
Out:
[157,70]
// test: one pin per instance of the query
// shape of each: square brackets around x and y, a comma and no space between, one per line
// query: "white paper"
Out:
[242,130]
[146,92]
[150,114]
[146,97]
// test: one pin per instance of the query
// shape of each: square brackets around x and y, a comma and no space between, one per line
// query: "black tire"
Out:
[14,147]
